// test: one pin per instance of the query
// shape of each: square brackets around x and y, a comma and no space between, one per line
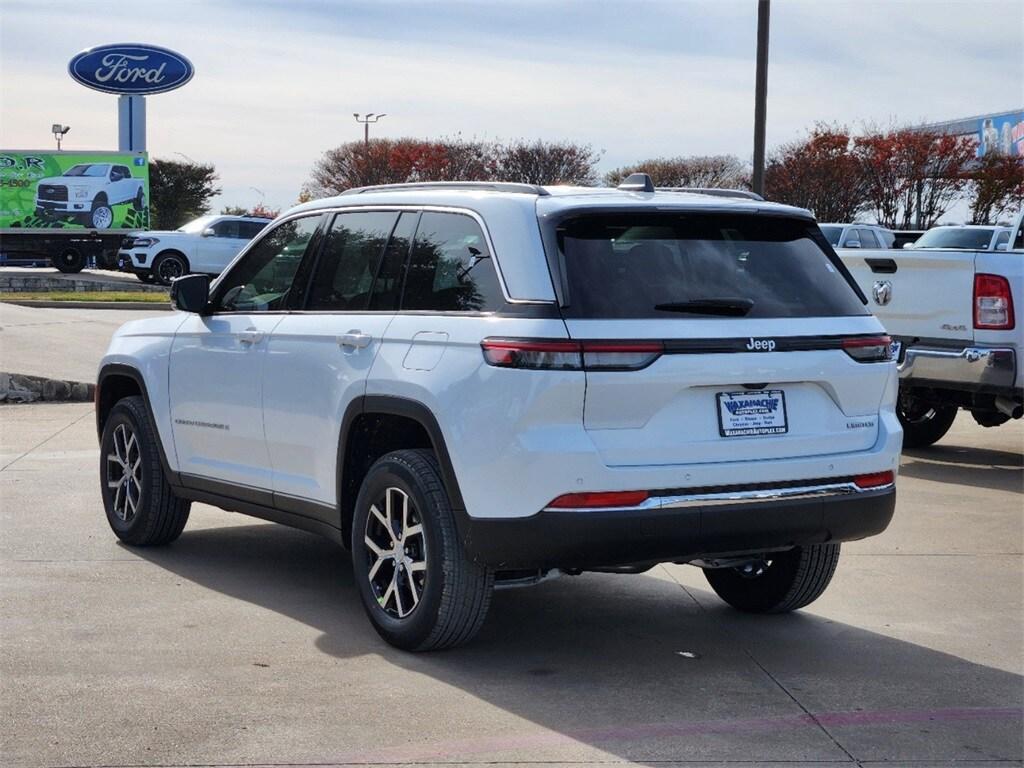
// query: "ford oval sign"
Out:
[133,69]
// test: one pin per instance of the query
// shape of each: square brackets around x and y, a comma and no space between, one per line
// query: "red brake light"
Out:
[873,349]
[544,354]
[874,480]
[993,303]
[600,499]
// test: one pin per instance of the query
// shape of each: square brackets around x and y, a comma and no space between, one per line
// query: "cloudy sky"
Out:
[277,82]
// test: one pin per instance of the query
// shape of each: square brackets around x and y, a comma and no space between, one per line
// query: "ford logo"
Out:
[133,69]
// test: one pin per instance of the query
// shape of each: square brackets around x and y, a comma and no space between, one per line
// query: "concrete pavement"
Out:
[244,643]
[59,343]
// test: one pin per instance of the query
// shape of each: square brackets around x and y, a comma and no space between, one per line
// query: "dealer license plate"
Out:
[748,414]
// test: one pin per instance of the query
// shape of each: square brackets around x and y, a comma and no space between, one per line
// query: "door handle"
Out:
[355,339]
[250,336]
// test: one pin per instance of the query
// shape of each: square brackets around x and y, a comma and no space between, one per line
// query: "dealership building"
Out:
[1001,132]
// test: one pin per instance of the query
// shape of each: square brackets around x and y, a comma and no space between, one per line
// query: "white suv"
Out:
[207,245]
[484,385]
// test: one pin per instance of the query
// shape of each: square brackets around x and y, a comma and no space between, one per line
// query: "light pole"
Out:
[58,132]
[366,119]
[187,158]
[760,95]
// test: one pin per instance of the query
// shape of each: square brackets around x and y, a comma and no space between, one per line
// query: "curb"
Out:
[19,388]
[138,305]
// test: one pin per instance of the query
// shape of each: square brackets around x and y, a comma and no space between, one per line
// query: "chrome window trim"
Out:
[398,207]
[735,497]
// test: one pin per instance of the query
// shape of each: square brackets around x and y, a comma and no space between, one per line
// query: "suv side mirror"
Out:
[908,245]
[1002,246]
[209,232]
[852,244]
[191,293]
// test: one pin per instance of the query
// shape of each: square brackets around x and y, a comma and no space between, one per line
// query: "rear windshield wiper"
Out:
[725,307]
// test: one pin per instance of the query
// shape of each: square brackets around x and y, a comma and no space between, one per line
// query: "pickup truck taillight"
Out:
[993,303]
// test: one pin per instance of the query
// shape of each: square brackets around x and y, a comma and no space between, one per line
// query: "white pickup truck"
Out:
[88,191]
[952,314]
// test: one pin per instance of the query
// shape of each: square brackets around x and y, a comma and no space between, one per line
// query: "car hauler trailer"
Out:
[68,208]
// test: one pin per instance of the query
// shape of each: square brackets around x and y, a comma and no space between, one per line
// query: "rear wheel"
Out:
[139,202]
[781,582]
[923,424]
[141,508]
[420,590]
[69,261]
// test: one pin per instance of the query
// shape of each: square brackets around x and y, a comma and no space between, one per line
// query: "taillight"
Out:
[600,499]
[551,355]
[993,303]
[873,349]
[874,480]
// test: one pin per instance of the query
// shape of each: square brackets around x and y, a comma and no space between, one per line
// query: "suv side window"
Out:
[1003,238]
[249,229]
[261,280]
[349,260]
[227,228]
[451,269]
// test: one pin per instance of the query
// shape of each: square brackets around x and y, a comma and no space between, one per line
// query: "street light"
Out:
[186,157]
[760,95]
[366,120]
[58,132]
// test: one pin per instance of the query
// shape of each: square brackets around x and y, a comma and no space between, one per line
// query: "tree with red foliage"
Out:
[912,176]
[997,186]
[540,162]
[819,173]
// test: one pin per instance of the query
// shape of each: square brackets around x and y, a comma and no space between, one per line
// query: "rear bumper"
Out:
[681,528]
[976,368]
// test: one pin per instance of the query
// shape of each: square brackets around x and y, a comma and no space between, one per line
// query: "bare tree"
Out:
[726,171]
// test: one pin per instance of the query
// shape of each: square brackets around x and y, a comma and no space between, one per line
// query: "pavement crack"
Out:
[44,442]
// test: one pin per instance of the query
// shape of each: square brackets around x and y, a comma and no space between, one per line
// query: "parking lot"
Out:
[244,643]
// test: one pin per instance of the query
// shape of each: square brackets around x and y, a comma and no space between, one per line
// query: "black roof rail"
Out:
[715,191]
[489,186]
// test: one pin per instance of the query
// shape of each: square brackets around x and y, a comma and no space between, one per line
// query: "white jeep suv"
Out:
[483,385]
[207,244]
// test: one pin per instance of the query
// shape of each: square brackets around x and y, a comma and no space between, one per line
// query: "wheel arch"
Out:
[115,382]
[374,425]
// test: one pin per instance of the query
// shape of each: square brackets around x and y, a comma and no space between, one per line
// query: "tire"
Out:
[102,215]
[789,580]
[923,424]
[453,592]
[169,266]
[139,202]
[69,261]
[157,516]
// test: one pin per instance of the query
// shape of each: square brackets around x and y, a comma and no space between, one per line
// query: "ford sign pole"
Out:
[131,123]
[131,70]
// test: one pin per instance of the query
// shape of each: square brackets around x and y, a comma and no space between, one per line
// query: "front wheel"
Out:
[141,508]
[782,582]
[419,589]
[101,216]
[169,266]
[923,424]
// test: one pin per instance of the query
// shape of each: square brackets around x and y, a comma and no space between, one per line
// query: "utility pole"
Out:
[760,95]
[368,118]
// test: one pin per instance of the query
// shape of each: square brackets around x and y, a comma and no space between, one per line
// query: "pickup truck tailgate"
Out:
[930,292]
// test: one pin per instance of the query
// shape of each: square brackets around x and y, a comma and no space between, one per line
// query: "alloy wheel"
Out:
[102,217]
[397,547]
[171,269]
[124,472]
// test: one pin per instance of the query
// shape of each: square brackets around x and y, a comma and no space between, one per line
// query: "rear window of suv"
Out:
[661,265]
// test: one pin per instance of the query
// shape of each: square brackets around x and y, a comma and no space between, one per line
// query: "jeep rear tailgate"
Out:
[925,294]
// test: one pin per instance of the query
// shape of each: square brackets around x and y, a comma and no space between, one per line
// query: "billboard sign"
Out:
[133,69]
[74,190]
[1003,134]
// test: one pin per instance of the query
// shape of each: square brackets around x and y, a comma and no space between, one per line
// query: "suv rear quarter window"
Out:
[656,265]
[451,269]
